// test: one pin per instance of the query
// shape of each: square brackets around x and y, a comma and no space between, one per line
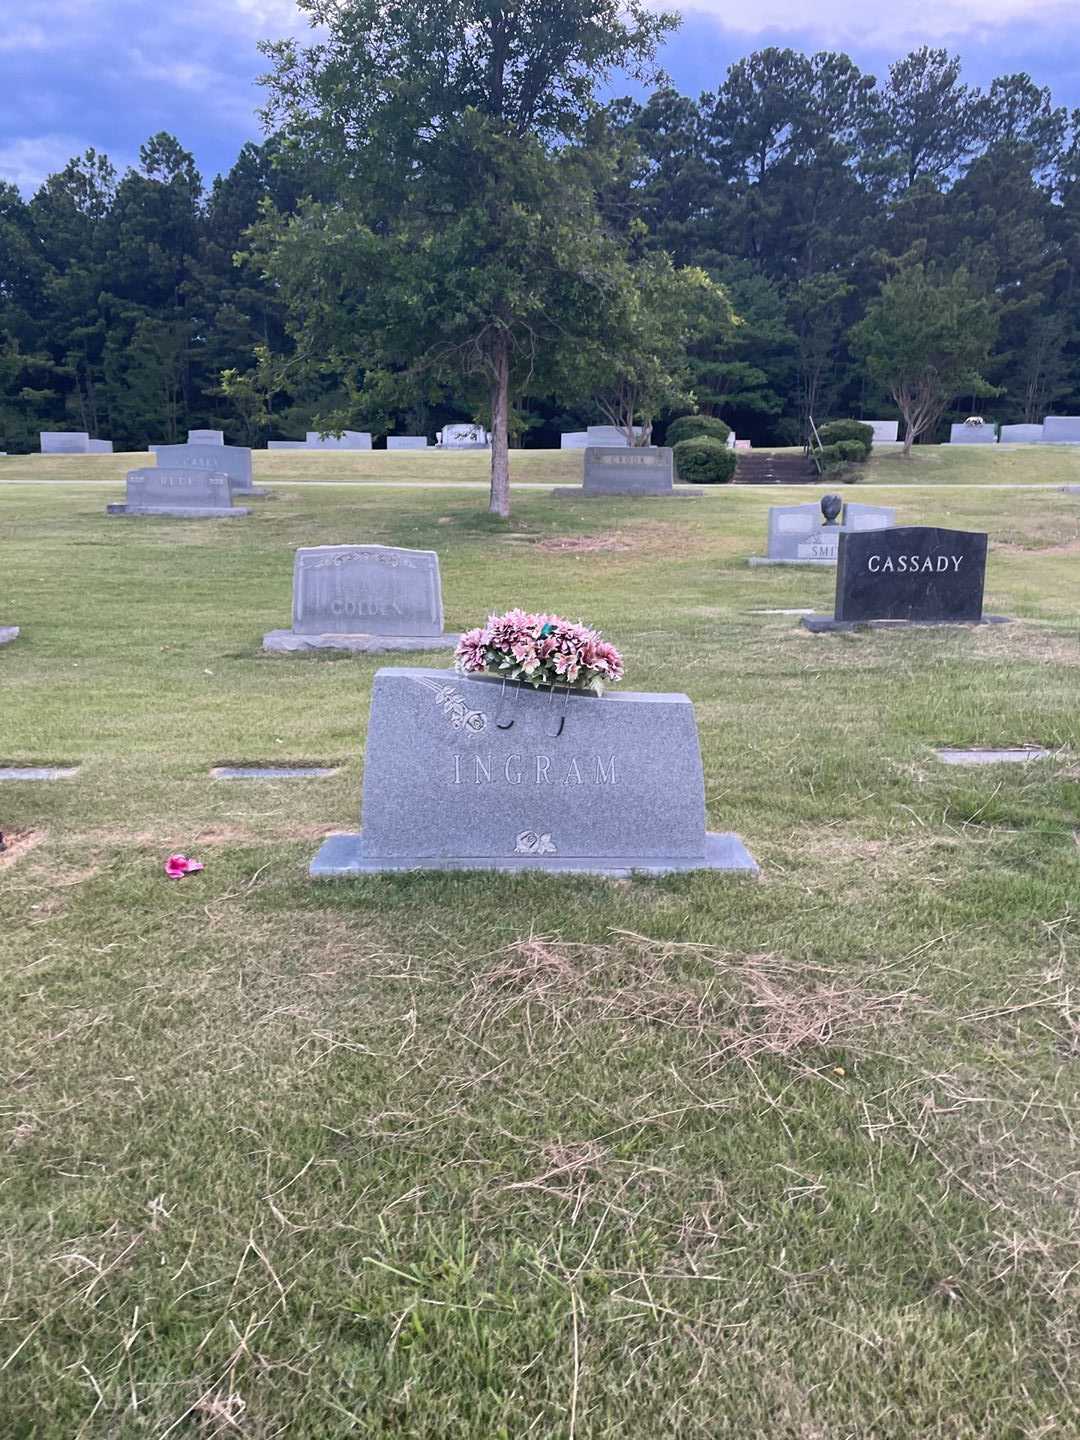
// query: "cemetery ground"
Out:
[474,1155]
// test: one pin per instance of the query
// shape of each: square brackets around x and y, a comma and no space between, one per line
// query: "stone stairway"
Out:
[766,467]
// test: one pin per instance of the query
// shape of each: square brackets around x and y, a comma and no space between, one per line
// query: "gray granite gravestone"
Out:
[645,471]
[798,534]
[885,431]
[99,447]
[1061,430]
[347,440]
[973,434]
[574,440]
[8,633]
[184,494]
[1020,434]
[908,575]
[286,445]
[373,598]
[610,435]
[619,790]
[231,460]
[206,437]
[463,437]
[64,442]
[406,442]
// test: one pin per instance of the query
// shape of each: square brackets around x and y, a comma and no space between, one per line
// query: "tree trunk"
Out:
[499,503]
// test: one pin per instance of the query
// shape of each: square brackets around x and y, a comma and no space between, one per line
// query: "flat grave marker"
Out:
[1014,755]
[38,772]
[619,790]
[371,598]
[272,772]
[8,633]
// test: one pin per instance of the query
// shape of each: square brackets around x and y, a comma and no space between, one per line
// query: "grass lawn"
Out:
[458,1155]
[928,465]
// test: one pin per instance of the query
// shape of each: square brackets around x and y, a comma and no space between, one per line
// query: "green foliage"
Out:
[690,427]
[853,450]
[834,431]
[704,460]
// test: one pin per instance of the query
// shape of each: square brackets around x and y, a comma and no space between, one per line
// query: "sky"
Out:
[110,73]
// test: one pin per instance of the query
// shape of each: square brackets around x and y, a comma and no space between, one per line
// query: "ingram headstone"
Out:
[449,785]
[64,442]
[799,535]
[985,434]
[909,574]
[406,442]
[231,460]
[206,437]
[1061,430]
[364,597]
[184,494]
[1021,434]
[645,470]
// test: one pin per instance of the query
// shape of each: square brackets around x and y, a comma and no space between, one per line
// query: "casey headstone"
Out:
[371,598]
[231,460]
[908,574]
[183,494]
[618,790]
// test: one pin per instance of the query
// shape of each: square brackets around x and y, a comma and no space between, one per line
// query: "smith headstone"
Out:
[183,494]
[364,597]
[909,574]
[972,434]
[231,460]
[800,535]
[450,785]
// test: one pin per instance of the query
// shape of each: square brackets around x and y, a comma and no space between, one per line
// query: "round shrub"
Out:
[853,450]
[834,432]
[695,427]
[704,461]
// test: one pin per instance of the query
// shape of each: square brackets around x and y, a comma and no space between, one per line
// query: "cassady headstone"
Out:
[908,575]
[64,442]
[231,460]
[347,440]
[449,785]
[183,494]
[644,471]
[965,434]
[406,442]
[810,535]
[206,437]
[371,598]
[1061,430]
[1021,434]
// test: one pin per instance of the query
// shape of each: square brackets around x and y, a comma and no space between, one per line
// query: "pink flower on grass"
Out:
[177,866]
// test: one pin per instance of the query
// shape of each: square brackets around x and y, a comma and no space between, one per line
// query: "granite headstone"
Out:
[1021,434]
[231,460]
[885,431]
[985,434]
[911,574]
[463,437]
[449,785]
[99,447]
[8,633]
[406,442]
[364,598]
[1061,430]
[185,494]
[574,440]
[645,470]
[64,442]
[347,440]
[800,534]
[206,437]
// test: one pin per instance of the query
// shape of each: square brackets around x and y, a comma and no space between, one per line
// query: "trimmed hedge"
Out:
[695,427]
[703,460]
[836,432]
[853,450]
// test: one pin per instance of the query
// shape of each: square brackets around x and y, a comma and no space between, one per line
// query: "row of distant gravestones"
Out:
[451,437]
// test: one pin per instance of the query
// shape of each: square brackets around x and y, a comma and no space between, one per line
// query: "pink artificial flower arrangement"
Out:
[540,650]
[177,866]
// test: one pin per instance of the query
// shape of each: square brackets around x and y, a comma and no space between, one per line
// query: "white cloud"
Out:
[27,161]
[876,23]
[17,37]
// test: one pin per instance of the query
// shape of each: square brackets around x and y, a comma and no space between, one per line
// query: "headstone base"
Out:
[764,560]
[822,624]
[255,493]
[342,856]
[8,633]
[288,642]
[181,512]
[578,492]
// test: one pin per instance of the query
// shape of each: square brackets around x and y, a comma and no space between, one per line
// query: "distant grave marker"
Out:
[182,494]
[644,471]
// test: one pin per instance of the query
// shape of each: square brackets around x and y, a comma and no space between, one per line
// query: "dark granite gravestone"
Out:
[231,460]
[183,494]
[802,535]
[449,784]
[909,574]
[372,598]
[643,471]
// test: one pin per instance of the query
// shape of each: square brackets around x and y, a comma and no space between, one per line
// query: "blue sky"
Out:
[108,73]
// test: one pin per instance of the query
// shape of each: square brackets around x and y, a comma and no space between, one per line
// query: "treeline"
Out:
[798,185]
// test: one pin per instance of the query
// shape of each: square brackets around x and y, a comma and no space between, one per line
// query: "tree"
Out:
[926,338]
[450,131]
[928,121]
